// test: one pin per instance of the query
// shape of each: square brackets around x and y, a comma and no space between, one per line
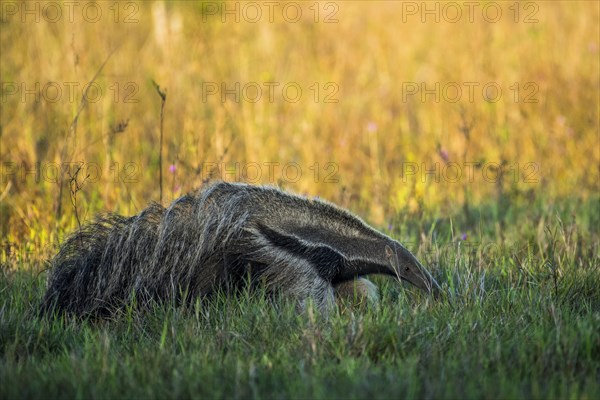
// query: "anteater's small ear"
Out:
[392,259]
[389,253]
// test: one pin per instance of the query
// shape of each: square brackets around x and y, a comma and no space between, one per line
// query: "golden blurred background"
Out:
[384,107]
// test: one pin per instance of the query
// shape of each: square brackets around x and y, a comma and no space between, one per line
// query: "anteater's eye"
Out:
[406,269]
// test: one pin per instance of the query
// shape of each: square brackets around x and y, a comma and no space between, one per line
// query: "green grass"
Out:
[523,322]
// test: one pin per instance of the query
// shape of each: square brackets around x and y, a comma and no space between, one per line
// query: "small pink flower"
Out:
[444,154]
[172,168]
[371,127]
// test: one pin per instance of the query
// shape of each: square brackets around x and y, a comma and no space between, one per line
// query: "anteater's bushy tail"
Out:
[157,254]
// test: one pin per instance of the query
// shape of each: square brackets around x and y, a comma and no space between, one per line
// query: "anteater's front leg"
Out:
[356,291]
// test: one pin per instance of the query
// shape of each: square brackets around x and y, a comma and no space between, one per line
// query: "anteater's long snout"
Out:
[412,271]
[425,281]
[434,288]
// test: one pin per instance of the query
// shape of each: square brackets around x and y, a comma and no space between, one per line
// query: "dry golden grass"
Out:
[368,137]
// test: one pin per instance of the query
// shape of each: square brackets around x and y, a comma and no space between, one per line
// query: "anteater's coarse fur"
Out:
[214,240]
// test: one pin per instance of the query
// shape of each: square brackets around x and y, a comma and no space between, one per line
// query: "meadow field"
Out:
[468,131]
